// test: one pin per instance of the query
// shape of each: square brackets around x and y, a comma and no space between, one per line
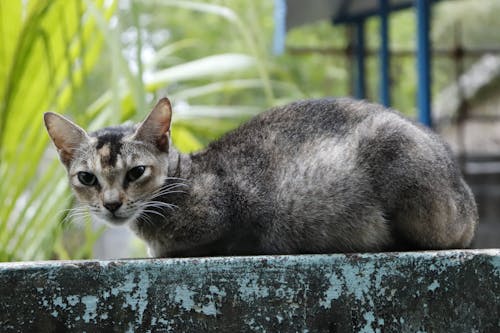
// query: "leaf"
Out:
[47,49]
[215,65]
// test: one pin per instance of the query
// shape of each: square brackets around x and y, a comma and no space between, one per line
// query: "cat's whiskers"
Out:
[73,213]
[149,199]
[157,207]
[146,219]
[149,208]
[176,178]
[170,187]
[153,212]
[161,194]
[160,204]
[79,208]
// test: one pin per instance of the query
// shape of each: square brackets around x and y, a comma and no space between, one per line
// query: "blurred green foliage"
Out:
[105,62]
[46,50]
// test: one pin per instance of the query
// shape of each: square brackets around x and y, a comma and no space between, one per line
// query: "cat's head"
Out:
[115,170]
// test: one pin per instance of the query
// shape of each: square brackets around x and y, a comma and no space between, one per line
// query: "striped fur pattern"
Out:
[314,176]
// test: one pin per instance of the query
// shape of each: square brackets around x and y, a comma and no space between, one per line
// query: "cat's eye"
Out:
[135,173]
[87,178]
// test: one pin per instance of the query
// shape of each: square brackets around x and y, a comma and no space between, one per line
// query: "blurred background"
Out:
[105,62]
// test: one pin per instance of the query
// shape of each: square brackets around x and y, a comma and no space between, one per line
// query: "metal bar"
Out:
[482,118]
[349,58]
[341,51]
[343,18]
[360,91]
[280,26]
[384,56]
[423,62]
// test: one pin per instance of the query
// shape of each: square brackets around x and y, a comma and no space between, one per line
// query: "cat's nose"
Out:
[112,206]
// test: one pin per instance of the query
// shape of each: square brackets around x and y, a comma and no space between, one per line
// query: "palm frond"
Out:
[46,50]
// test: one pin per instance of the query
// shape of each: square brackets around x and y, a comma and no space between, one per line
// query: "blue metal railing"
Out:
[385,56]
[423,62]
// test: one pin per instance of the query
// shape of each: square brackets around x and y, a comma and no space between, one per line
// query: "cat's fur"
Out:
[315,176]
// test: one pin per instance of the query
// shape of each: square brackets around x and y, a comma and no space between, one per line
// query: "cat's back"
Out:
[317,141]
[293,123]
[285,129]
[341,143]
[308,118]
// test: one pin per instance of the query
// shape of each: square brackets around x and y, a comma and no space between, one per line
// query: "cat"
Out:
[315,176]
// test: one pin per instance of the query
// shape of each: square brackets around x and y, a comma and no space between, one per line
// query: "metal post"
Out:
[423,62]
[360,60]
[385,97]
[280,26]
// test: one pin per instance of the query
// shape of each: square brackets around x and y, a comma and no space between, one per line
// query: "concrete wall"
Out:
[451,291]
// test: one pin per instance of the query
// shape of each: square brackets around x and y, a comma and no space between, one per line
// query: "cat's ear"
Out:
[66,135]
[155,128]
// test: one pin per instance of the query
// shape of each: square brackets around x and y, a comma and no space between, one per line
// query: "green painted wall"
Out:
[449,291]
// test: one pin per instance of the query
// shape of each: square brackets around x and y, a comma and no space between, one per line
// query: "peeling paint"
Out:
[90,313]
[370,318]
[73,299]
[495,262]
[433,286]
[184,297]
[311,293]
[332,293]
[209,309]
[250,289]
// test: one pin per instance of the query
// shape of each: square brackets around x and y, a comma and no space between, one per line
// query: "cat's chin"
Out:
[114,221]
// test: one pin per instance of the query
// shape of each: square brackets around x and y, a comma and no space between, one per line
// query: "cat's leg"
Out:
[436,219]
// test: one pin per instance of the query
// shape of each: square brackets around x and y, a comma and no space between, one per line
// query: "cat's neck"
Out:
[179,165]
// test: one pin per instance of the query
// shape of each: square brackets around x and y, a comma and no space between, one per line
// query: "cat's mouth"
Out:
[114,220]
[118,219]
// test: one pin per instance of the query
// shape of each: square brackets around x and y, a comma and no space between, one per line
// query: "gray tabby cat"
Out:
[315,176]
